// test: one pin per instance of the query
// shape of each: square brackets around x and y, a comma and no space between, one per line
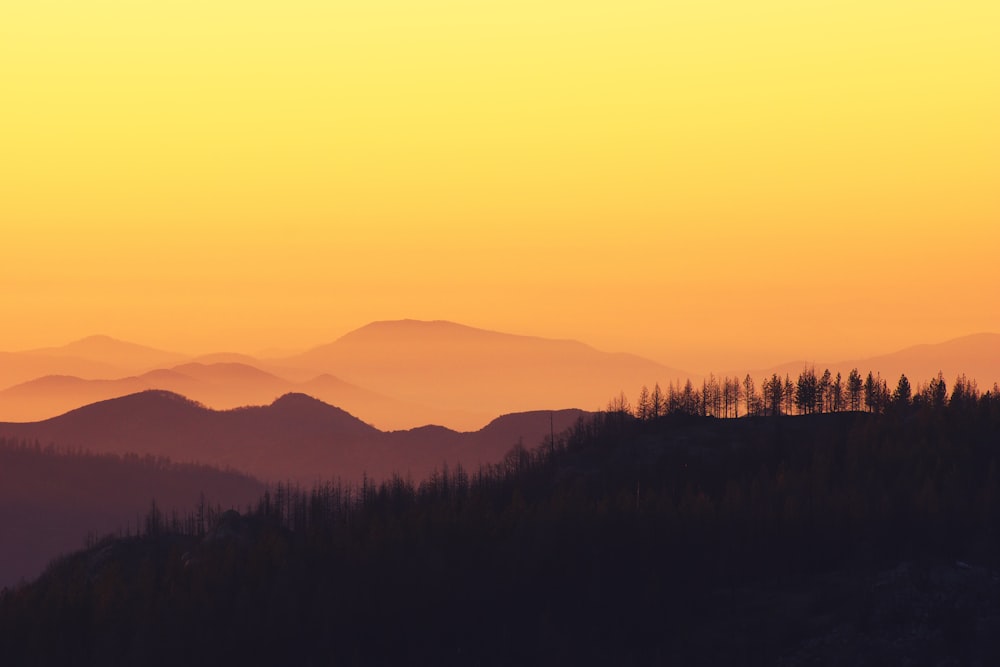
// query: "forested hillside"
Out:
[52,500]
[846,538]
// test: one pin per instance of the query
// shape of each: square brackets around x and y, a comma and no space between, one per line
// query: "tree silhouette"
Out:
[750,395]
[855,386]
[902,395]
[806,391]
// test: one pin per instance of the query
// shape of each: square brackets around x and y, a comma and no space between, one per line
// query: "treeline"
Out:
[809,393]
[627,541]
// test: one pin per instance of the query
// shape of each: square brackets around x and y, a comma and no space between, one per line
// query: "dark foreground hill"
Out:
[50,500]
[296,438]
[825,539]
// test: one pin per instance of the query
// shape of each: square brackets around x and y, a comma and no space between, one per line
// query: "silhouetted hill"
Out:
[296,437]
[449,365]
[50,500]
[830,539]
[527,424]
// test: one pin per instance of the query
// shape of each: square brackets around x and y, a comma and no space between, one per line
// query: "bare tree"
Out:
[657,402]
[643,408]
[855,385]
[750,395]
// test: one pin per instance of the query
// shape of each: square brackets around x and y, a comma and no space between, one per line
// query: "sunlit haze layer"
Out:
[712,185]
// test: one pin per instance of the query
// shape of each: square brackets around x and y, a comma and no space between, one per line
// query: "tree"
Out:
[618,408]
[154,519]
[689,399]
[939,391]
[657,402]
[789,394]
[750,395]
[673,398]
[711,396]
[805,391]
[965,392]
[854,387]
[823,398]
[732,395]
[643,408]
[837,394]
[902,395]
[869,388]
[774,394]
[620,403]
[876,393]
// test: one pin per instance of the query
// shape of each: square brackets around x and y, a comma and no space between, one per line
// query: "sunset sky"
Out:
[711,184]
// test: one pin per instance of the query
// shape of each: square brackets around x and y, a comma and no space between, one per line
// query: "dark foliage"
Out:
[665,540]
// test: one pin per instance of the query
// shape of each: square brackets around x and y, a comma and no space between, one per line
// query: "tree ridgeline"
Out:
[810,393]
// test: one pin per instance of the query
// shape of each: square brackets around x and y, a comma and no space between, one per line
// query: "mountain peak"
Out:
[103,341]
[411,327]
[303,407]
[295,399]
[95,338]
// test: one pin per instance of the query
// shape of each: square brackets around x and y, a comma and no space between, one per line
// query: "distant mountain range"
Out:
[297,437]
[221,385]
[462,368]
[112,352]
[394,375]
[977,356]
[408,373]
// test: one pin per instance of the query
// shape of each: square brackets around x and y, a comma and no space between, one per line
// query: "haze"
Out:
[712,185]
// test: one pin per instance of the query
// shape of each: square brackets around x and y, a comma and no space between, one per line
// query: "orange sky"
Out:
[710,184]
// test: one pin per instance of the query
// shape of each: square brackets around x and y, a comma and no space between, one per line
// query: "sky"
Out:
[710,184]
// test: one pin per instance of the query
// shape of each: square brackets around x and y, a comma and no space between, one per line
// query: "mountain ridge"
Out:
[399,374]
[296,437]
[976,355]
[456,366]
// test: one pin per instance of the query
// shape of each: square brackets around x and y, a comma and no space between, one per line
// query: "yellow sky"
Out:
[709,183]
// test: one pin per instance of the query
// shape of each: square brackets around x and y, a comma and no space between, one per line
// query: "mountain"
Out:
[296,437]
[384,411]
[396,375]
[223,386]
[113,352]
[18,367]
[94,357]
[262,363]
[40,398]
[452,366]
[976,355]
[71,495]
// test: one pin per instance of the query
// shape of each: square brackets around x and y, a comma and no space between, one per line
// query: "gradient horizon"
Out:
[710,186]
